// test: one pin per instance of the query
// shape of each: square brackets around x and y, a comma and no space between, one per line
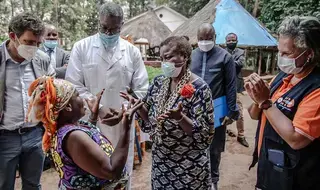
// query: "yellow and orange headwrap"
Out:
[48,97]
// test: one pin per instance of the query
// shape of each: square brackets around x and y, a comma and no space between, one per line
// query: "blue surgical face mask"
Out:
[109,41]
[169,69]
[51,44]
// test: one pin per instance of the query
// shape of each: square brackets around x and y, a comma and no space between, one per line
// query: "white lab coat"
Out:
[91,68]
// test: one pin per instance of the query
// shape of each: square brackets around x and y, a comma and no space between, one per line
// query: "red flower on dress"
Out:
[187,91]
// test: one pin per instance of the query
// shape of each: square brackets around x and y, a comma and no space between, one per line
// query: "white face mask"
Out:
[26,51]
[288,65]
[206,45]
[169,69]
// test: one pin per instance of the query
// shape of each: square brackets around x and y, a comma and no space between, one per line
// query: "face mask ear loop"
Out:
[299,57]
[17,39]
[300,54]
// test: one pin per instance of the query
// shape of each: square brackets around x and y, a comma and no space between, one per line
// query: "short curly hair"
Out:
[26,21]
[304,30]
[183,47]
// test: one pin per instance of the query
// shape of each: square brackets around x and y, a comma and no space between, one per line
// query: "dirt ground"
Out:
[234,166]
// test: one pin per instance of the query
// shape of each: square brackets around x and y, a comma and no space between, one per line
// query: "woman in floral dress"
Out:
[84,158]
[178,115]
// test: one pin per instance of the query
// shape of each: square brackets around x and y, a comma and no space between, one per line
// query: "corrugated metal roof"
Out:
[232,17]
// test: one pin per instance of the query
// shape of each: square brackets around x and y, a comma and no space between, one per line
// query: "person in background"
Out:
[83,156]
[288,134]
[105,61]
[59,58]
[216,66]
[178,115]
[239,60]
[21,63]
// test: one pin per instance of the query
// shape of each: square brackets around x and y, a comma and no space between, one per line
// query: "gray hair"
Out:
[304,30]
[111,9]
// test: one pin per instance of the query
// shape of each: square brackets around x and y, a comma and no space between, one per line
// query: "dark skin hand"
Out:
[90,157]
[93,105]
[129,96]
[176,114]
[110,116]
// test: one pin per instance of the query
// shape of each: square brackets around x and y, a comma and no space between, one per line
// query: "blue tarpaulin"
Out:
[232,17]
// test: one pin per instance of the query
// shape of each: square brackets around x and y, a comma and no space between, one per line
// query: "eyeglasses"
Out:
[109,31]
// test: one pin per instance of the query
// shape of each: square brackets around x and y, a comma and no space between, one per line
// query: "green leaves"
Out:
[274,11]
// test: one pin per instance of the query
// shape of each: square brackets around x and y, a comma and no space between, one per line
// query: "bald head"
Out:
[51,32]
[206,32]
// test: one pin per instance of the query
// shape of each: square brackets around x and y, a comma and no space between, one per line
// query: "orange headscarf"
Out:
[48,97]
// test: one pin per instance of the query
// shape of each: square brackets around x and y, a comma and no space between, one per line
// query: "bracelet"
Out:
[180,119]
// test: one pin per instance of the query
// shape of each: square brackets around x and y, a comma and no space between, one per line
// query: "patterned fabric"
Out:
[165,102]
[180,161]
[48,97]
[72,176]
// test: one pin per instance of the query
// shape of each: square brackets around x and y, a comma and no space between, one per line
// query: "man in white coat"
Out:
[105,61]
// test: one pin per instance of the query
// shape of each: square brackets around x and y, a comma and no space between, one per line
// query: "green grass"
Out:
[153,72]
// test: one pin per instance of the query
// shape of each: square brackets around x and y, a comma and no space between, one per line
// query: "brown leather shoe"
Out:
[243,141]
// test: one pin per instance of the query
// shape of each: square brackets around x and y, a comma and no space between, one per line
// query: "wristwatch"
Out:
[266,104]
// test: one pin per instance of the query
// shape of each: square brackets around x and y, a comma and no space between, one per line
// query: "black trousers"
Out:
[217,146]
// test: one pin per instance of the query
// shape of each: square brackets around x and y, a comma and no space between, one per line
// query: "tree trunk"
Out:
[12,7]
[30,5]
[256,8]
[24,5]
[130,8]
[38,7]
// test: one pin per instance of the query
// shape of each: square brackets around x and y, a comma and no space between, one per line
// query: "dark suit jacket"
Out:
[239,60]
[62,58]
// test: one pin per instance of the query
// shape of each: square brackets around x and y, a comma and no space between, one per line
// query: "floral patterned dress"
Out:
[72,176]
[180,161]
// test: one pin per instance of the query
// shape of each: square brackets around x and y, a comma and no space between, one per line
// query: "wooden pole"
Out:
[273,63]
[245,57]
[260,61]
[256,8]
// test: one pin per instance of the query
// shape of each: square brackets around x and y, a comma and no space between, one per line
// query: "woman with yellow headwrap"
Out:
[84,158]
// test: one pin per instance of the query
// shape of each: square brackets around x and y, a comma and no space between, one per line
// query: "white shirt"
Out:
[19,77]
[52,56]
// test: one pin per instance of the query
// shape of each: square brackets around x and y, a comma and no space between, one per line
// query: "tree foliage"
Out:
[274,11]
[74,19]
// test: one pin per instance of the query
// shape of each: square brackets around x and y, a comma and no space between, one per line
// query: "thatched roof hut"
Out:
[190,27]
[147,26]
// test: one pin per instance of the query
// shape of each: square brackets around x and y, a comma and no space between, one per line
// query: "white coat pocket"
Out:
[128,74]
[90,75]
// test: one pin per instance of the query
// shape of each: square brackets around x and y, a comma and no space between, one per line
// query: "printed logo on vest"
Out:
[286,103]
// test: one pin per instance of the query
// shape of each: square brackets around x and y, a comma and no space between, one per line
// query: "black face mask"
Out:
[232,45]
